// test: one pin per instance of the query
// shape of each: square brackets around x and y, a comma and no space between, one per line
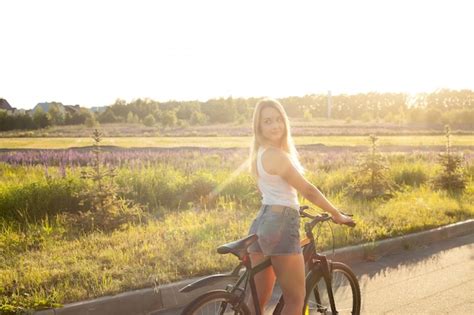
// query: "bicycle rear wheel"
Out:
[345,289]
[217,302]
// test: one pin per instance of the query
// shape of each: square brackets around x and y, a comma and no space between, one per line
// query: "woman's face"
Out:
[272,125]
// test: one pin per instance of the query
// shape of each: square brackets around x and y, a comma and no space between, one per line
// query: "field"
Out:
[232,142]
[193,194]
[300,127]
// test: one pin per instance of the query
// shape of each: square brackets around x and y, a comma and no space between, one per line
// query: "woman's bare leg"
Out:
[264,281]
[290,273]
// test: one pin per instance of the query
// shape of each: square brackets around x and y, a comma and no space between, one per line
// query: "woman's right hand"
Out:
[340,218]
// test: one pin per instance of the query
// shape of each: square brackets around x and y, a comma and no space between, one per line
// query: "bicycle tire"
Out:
[210,303]
[345,288]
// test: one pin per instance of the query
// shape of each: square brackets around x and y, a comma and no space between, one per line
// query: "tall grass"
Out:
[182,245]
[196,207]
[170,183]
[32,201]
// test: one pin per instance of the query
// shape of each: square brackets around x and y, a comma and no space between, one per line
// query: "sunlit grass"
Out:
[45,264]
[228,142]
[183,245]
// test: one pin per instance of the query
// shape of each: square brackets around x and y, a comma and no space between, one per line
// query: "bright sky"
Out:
[91,52]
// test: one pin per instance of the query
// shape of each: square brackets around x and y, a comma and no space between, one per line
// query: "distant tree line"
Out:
[454,107]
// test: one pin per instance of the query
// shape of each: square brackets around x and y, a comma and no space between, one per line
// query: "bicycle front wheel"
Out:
[217,302]
[345,289]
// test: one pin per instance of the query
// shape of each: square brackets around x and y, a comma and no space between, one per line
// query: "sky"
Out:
[92,52]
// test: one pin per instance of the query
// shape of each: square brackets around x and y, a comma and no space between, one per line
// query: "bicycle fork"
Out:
[325,264]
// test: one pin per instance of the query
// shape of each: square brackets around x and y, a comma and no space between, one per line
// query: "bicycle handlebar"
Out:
[322,217]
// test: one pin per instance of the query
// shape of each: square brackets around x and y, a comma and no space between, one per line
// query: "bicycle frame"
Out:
[315,264]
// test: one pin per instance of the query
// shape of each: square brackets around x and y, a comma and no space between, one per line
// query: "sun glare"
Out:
[84,53]
[219,188]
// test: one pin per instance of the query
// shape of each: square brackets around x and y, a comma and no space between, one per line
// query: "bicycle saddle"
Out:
[239,247]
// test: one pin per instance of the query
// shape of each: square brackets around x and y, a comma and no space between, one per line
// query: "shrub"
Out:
[103,209]
[451,177]
[198,118]
[149,120]
[168,118]
[370,179]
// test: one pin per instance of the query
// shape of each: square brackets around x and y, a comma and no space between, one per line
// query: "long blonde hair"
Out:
[287,143]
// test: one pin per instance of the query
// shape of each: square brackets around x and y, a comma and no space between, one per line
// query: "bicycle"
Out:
[331,287]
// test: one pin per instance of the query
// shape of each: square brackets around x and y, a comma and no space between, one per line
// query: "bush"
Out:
[103,209]
[198,118]
[370,179]
[149,120]
[451,177]
[168,118]
[41,119]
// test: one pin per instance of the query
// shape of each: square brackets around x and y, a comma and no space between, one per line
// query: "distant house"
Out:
[99,109]
[46,106]
[71,109]
[5,105]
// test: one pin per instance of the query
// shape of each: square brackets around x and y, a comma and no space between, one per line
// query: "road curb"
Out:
[167,297]
[375,250]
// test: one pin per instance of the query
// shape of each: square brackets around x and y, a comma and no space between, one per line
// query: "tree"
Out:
[451,177]
[107,116]
[433,117]
[132,118]
[41,119]
[149,120]
[198,118]
[168,118]
[91,121]
[103,208]
[186,109]
[57,116]
[220,110]
[371,179]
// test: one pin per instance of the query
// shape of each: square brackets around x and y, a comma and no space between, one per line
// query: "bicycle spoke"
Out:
[343,296]
[215,307]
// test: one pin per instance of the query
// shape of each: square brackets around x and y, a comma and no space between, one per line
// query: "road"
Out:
[434,279]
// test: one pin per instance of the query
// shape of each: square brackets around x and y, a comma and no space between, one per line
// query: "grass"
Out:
[58,270]
[229,142]
[301,127]
[45,264]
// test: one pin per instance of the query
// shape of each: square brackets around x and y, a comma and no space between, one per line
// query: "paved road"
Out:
[434,279]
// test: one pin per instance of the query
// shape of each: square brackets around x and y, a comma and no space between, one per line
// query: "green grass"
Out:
[56,269]
[229,142]
[45,262]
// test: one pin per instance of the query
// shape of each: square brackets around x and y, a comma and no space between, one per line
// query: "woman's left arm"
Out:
[289,173]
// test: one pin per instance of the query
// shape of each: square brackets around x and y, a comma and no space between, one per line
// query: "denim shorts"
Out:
[277,231]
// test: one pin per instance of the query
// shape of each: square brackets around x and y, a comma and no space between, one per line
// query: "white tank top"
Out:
[275,190]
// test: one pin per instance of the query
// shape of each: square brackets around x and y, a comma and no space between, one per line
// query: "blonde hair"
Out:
[287,143]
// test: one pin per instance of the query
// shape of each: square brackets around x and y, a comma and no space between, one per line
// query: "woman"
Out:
[274,161]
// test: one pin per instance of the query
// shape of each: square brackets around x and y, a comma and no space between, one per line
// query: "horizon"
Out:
[410,95]
[92,53]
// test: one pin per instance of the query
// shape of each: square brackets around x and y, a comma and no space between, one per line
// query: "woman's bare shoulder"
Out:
[276,155]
